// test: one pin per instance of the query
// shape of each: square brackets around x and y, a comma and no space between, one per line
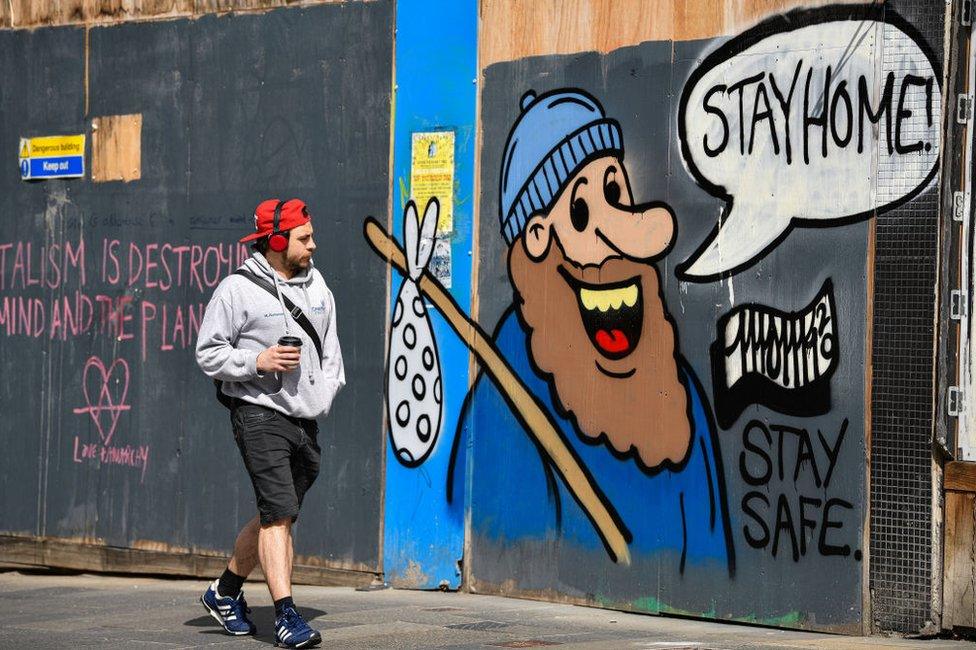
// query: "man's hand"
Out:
[279,358]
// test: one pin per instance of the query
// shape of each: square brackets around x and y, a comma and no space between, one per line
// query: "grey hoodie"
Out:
[243,319]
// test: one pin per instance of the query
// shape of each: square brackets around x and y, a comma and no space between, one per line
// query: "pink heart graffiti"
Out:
[106,401]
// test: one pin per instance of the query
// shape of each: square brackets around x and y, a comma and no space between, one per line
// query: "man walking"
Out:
[269,338]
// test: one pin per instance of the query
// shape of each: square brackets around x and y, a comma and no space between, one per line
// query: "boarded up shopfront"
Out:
[674,338]
[114,438]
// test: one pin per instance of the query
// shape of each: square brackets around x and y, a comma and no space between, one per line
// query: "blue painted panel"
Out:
[436,66]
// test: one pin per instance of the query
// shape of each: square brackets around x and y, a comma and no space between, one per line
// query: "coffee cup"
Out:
[290,341]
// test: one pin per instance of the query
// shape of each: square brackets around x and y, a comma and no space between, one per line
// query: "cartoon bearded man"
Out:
[590,337]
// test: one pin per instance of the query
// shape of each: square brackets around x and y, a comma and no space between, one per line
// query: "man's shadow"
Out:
[263,618]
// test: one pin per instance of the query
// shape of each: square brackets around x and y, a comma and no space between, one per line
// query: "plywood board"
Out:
[960,567]
[117,148]
[514,29]
[212,152]
[961,476]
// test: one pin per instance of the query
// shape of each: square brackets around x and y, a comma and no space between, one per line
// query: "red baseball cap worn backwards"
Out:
[294,213]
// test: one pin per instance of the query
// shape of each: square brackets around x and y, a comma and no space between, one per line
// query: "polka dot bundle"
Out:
[414,392]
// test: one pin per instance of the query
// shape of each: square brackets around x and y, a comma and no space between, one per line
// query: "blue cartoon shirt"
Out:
[516,494]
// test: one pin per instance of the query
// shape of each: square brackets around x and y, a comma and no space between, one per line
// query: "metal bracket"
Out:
[954,401]
[958,307]
[960,200]
[964,108]
[966,13]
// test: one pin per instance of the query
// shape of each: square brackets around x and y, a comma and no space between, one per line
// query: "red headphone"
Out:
[277,241]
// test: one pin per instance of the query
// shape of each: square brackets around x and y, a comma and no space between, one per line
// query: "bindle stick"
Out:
[539,425]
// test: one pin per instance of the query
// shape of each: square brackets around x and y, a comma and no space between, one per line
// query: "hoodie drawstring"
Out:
[284,312]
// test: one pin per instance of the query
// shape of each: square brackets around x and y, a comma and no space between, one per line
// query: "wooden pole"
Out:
[538,423]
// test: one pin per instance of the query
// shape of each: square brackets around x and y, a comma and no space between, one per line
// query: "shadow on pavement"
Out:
[263,618]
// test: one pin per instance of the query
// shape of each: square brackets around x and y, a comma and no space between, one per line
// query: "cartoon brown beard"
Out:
[601,336]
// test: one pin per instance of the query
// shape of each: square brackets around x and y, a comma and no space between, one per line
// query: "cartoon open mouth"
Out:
[612,314]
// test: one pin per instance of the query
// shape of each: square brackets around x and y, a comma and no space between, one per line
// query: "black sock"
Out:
[229,584]
[281,604]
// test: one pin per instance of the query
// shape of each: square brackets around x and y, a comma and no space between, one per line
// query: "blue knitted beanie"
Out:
[556,134]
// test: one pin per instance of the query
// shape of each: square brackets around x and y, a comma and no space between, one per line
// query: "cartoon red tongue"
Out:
[614,342]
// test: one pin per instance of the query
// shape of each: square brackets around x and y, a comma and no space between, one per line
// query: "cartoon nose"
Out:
[642,232]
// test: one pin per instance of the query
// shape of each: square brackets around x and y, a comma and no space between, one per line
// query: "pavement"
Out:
[48,610]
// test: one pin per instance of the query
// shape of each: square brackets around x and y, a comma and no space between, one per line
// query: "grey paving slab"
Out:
[44,610]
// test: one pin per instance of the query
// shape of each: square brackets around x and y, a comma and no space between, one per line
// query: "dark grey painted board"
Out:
[40,88]
[293,102]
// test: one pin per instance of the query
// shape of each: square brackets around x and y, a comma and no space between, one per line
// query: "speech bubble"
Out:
[814,118]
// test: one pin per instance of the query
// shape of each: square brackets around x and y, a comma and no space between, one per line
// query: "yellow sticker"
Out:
[55,145]
[432,174]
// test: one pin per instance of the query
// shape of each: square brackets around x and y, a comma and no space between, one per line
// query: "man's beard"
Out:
[296,265]
[642,411]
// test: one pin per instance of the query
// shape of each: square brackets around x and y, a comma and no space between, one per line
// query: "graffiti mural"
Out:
[669,410]
[547,362]
[586,296]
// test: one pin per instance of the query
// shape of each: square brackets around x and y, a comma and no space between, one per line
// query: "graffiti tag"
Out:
[105,390]
[779,359]
[791,520]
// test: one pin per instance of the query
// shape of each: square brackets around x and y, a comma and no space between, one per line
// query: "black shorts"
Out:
[281,455]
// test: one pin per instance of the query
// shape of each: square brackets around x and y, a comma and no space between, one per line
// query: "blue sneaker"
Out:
[231,613]
[291,631]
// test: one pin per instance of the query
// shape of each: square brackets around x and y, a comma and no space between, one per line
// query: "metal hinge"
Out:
[960,202]
[964,108]
[954,403]
[958,306]
[966,13]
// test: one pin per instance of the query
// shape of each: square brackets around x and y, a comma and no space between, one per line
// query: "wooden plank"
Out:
[41,13]
[515,29]
[30,13]
[215,6]
[27,551]
[223,6]
[961,476]
[867,603]
[121,10]
[959,608]
[512,29]
[690,20]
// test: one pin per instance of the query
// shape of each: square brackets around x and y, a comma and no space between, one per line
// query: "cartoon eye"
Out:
[611,188]
[579,211]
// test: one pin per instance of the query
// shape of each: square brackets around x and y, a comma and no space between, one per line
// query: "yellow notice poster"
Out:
[432,174]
